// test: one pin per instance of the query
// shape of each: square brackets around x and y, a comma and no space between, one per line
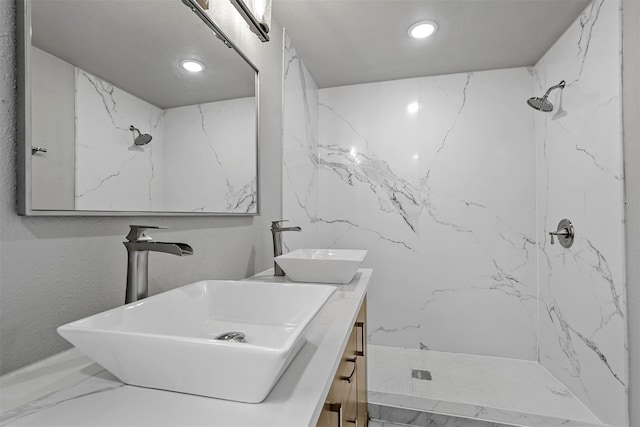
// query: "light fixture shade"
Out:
[262,11]
[257,13]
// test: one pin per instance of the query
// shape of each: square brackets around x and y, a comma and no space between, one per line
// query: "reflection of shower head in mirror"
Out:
[142,138]
[543,104]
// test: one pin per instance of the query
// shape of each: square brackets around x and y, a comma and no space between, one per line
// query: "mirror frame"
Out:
[24,142]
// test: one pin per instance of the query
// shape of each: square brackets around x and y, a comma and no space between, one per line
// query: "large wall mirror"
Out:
[112,123]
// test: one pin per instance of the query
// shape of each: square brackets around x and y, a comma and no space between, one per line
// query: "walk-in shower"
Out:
[543,104]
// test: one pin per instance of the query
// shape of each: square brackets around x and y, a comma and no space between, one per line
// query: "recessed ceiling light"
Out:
[192,65]
[413,107]
[422,29]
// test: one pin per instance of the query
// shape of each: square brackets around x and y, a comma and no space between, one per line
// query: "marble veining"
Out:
[100,382]
[398,166]
[203,125]
[244,199]
[360,144]
[221,135]
[105,92]
[395,195]
[463,102]
[106,158]
[300,183]
[587,22]
[582,339]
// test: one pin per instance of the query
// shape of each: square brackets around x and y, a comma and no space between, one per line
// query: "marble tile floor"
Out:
[435,420]
[430,388]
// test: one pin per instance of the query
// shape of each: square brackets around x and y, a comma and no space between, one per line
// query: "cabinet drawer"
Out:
[346,403]
[346,376]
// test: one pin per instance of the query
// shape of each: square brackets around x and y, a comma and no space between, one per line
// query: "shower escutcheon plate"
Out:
[565,233]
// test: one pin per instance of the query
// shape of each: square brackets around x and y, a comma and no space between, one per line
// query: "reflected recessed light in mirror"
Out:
[192,65]
[413,107]
[422,29]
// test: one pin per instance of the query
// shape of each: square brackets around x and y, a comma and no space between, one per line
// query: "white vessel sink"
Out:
[321,265]
[168,341]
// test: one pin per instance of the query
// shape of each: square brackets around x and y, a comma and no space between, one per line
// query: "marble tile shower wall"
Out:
[158,176]
[454,203]
[443,198]
[106,158]
[582,331]
[221,135]
[300,185]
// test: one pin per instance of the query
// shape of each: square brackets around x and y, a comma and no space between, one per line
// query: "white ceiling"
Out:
[358,41]
[137,44]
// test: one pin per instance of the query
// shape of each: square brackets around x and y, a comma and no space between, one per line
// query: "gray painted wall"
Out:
[55,270]
[53,112]
[631,131]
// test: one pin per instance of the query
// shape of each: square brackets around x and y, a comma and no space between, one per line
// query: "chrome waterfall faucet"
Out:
[138,245]
[276,231]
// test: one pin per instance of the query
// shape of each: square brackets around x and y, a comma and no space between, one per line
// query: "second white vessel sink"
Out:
[186,339]
[321,265]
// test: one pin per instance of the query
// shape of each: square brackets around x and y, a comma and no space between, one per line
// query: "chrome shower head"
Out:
[142,138]
[543,104]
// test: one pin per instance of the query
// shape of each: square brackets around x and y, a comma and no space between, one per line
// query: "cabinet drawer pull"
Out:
[362,332]
[349,378]
[336,407]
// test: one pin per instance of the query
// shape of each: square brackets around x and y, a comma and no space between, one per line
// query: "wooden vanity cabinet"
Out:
[361,366]
[346,404]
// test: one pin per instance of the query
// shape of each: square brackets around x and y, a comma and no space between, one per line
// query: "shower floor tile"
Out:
[494,389]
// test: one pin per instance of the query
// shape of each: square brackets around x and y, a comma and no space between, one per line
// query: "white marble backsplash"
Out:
[579,173]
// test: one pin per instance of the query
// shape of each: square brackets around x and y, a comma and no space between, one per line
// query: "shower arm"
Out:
[559,85]
[135,129]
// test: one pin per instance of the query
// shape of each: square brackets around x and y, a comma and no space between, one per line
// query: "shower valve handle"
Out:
[565,233]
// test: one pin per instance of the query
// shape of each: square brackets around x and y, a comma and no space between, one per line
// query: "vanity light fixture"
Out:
[192,65]
[257,13]
[422,29]
[204,4]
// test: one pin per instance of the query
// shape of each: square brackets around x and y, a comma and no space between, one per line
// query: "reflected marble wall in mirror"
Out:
[126,128]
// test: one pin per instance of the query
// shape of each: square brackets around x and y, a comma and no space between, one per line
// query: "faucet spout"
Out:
[138,260]
[276,232]
[290,229]
[179,249]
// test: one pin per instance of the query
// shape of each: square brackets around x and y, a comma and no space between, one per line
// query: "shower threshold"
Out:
[417,387]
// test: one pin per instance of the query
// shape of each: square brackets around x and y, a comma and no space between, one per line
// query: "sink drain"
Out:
[231,336]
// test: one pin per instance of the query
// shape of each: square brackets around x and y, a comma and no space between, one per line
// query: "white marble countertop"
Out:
[69,390]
